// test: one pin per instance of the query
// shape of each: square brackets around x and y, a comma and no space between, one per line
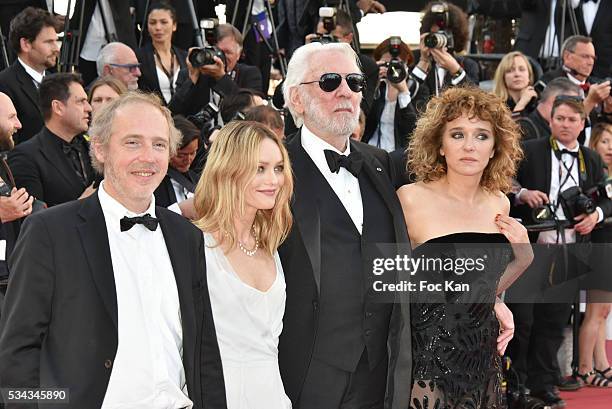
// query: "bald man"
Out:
[14,203]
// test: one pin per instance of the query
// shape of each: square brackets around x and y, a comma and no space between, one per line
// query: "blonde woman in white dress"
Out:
[242,206]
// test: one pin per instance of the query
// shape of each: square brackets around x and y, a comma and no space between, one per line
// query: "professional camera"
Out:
[328,17]
[5,190]
[396,68]
[574,202]
[206,119]
[443,37]
[199,57]
[324,39]
[600,191]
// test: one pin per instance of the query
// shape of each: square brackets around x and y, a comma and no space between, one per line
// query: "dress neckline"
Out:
[445,238]
[230,269]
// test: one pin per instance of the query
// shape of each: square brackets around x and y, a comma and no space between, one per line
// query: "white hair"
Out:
[299,67]
[108,55]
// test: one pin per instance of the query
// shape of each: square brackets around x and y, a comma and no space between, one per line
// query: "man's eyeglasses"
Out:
[129,67]
[331,81]
[584,56]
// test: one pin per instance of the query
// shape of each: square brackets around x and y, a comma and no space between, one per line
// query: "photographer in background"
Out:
[392,117]
[336,26]
[444,34]
[555,171]
[214,72]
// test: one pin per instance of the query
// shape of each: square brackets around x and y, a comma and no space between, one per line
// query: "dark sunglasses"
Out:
[331,81]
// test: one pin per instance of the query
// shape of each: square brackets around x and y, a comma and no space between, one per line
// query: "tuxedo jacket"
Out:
[45,171]
[404,119]
[8,230]
[59,324]
[19,86]
[190,98]
[165,194]
[149,80]
[534,173]
[301,258]
[601,33]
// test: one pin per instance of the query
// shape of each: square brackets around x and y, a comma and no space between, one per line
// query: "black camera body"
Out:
[324,39]
[440,40]
[575,202]
[198,57]
[5,190]
[201,56]
[396,68]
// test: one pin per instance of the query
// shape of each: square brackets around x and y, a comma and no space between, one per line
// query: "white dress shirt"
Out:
[37,77]
[589,11]
[384,136]
[148,370]
[96,33]
[164,82]
[559,175]
[343,183]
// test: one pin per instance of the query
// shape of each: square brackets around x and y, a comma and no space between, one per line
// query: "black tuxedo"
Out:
[19,86]
[404,119]
[601,33]
[59,328]
[190,98]
[322,259]
[534,173]
[120,11]
[165,194]
[45,171]
[148,80]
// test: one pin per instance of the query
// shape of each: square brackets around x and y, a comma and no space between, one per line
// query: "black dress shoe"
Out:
[550,398]
[569,383]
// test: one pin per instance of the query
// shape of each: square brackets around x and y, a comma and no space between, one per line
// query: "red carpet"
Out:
[590,398]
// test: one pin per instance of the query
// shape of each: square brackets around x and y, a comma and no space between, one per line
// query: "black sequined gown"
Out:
[454,334]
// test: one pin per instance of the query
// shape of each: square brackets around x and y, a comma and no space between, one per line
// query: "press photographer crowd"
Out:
[190,192]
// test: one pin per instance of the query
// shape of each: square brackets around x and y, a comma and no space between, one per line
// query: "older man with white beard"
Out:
[338,348]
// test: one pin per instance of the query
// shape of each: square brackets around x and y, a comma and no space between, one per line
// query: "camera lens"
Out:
[584,204]
[435,40]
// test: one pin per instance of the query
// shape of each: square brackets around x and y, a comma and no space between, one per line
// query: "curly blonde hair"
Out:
[424,159]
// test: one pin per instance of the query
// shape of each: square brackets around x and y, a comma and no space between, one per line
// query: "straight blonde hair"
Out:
[220,194]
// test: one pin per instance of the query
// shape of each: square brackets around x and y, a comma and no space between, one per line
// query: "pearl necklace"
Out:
[250,253]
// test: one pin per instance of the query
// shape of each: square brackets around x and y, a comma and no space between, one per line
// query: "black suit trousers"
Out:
[327,387]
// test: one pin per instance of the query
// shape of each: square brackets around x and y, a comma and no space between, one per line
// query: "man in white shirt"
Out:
[108,295]
[32,36]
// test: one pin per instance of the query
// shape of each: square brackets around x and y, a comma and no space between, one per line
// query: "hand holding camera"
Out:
[14,203]
[214,68]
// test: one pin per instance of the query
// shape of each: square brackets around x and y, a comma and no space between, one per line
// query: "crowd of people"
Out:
[175,233]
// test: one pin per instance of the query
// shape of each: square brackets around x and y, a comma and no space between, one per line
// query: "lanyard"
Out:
[170,74]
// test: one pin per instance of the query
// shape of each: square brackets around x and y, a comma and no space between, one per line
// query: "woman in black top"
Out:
[163,65]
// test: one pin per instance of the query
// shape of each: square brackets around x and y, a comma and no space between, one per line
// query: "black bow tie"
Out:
[146,220]
[594,1]
[571,153]
[71,146]
[353,162]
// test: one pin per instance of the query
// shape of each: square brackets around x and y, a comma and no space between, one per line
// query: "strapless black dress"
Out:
[454,333]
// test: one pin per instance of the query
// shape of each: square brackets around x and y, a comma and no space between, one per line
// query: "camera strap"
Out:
[170,74]
[581,162]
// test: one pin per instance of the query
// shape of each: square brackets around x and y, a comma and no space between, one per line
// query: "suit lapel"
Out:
[383,186]
[51,151]
[27,84]
[94,237]
[182,260]
[304,204]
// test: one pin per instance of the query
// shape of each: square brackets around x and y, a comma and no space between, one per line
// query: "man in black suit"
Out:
[552,165]
[211,82]
[594,19]
[339,347]
[33,37]
[54,165]
[108,296]
[14,203]
[536,124]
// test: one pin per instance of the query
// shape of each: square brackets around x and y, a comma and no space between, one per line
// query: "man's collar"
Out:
[561,146]
[312,141]
[36,76]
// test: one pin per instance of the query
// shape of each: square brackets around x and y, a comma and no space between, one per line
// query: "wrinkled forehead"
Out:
[326,61]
